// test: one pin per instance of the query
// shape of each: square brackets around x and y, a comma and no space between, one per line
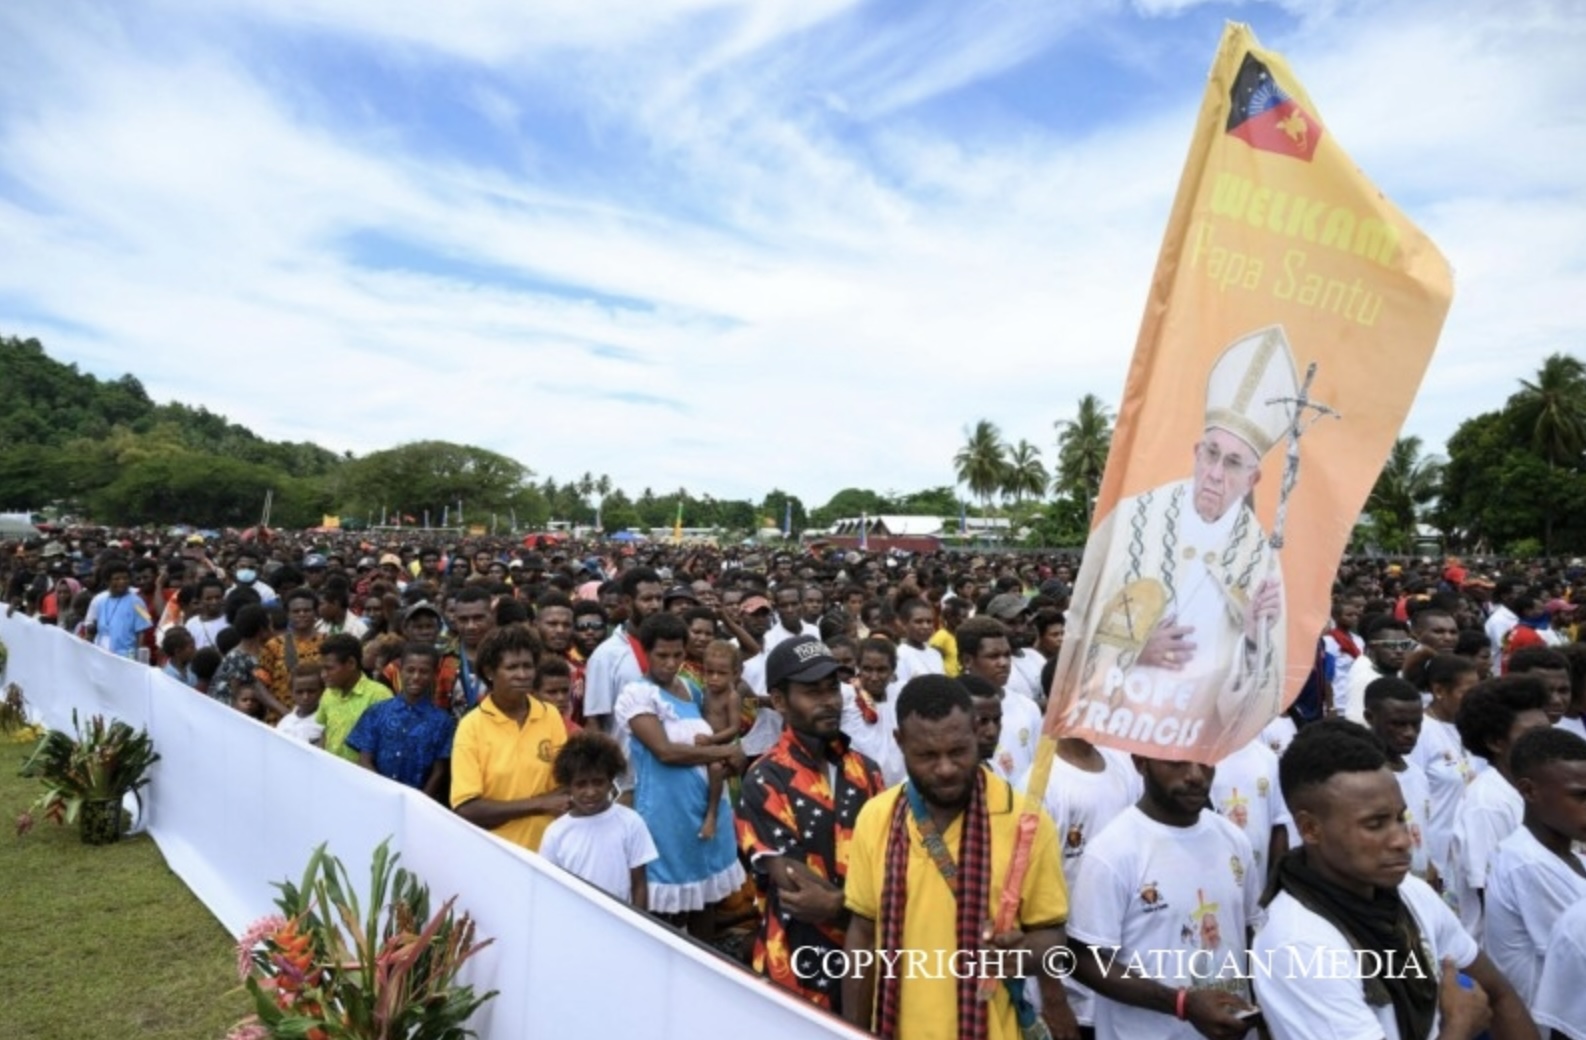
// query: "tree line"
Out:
[1513,481]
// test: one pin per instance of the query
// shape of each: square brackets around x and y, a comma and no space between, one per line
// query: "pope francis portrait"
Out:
[1185,651]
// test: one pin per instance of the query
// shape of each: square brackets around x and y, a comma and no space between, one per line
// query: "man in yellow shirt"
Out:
[953,612]
[502,754]
[927,866]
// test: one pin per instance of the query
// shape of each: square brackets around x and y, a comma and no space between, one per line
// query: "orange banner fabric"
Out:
[1291,317]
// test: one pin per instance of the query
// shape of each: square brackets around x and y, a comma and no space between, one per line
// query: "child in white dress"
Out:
[599,840]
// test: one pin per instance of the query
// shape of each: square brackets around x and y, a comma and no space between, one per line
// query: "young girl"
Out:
[308,685]
[604,843]
[720,669]
[246,697]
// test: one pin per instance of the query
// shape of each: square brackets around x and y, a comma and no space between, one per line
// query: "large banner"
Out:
[1291,318]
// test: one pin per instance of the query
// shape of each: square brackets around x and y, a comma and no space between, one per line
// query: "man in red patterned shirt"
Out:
[795,820]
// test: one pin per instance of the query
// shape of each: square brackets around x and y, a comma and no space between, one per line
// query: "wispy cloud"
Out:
[722,244]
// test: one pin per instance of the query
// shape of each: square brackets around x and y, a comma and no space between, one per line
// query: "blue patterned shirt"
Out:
[405,740]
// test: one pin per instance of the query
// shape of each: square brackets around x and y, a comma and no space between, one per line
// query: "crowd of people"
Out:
[837,746]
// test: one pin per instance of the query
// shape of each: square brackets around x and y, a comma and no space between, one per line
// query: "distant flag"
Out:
[963,518]
[864,530]
[332,522]
[677,525]
[787,519]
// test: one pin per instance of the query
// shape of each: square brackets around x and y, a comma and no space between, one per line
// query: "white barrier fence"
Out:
[234,806]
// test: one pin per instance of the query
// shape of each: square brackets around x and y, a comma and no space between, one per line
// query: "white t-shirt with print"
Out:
[1245,791]
[1349,699]
[302,728]
[1025,675]
[1302,999]
[875,740]
[767,727]
[1490,812]
[1279,734]
[1174,902]
[776,635]
[1449,770]
[1082,804]
[1528,891]
[602,849]
[912,661]
[1418,809]
[1560,1002]
[1021,732]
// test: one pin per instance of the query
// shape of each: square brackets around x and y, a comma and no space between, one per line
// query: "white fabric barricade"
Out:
[234,807]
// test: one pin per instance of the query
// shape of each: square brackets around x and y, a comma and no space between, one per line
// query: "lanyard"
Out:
[932,838]
[466,675]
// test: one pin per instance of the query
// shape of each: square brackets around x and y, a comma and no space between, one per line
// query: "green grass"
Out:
[102,943]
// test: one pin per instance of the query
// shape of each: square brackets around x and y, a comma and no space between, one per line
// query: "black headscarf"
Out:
[1381,924]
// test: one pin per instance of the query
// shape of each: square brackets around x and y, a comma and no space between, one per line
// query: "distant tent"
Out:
[17,525]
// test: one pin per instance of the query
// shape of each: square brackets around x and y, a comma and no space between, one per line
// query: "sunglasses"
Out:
[590,626]
[1395,644]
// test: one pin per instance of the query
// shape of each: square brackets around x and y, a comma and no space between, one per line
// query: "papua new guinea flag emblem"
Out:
[1263,116]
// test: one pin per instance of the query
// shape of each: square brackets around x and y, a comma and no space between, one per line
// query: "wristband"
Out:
[1179,1002]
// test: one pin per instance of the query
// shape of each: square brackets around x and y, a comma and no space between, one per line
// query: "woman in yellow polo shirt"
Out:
[502,754]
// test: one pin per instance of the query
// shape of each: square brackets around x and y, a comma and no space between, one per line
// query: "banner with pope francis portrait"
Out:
[1291,317]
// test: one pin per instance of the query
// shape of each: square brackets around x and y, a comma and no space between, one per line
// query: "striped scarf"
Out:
[969,878]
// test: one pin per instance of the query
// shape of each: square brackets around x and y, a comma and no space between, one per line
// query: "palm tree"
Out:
[982,461]
[1082,446]
[1026,474]
[1552,408]
[1408,481]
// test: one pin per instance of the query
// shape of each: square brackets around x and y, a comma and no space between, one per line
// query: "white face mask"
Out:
[246,576]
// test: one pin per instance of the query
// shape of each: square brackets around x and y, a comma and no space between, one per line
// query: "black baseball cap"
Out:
[679,592]
[800,659]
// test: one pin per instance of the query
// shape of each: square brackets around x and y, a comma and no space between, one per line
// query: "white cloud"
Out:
[778,250]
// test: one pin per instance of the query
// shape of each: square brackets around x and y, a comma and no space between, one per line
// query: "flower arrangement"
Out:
[325,969]
[86,778]
[14,724]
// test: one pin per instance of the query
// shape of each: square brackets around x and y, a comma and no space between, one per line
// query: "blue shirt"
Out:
[405,740]
[119,621]
[180,676]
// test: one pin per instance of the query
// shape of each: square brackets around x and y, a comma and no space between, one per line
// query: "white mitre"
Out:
[1251,389]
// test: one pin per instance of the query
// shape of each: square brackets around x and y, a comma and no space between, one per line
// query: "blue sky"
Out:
[720,244]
